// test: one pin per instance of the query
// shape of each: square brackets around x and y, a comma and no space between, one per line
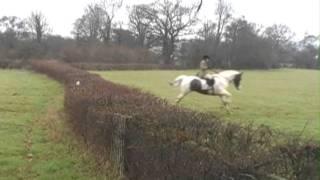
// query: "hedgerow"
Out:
[163,141]
[117,66]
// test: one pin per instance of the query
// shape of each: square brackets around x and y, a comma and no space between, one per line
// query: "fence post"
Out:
[118,143]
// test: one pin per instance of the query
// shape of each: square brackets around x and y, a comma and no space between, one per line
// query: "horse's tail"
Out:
[176,82]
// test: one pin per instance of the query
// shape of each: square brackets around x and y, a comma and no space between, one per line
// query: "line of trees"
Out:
[162,27]
[28,38]
[247,45]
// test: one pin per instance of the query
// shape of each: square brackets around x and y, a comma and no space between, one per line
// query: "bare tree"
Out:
[171,20]
[308,53]
[119,33]
[13,29]
[280,34]
[87,27]
[38,25]
[207,31]
[96,23]
[223,13]
[110,7]
[140,23]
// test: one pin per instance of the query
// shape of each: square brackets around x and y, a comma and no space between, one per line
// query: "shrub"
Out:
[13,64]
[129,66]
[112,54]
[163,141]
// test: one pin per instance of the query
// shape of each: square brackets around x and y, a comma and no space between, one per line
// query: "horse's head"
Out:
[237,79]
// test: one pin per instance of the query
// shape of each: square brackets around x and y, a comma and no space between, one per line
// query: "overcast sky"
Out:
[302,16]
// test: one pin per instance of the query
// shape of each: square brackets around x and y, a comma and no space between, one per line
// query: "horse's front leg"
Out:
[225,97]
[225,102]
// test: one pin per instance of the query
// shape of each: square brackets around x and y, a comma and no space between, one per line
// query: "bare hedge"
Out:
[163,141]
[116,66]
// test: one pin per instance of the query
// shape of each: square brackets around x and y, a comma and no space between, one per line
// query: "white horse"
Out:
[211,84]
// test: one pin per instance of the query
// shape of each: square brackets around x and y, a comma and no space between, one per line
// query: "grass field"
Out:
[285,99]
[34,141]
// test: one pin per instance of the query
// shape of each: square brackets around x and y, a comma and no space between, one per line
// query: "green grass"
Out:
[285,99]
[34,140]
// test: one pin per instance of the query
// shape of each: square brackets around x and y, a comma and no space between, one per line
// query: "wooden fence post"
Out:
[118,143]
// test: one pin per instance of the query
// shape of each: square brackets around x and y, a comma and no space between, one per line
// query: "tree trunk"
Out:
[166,50]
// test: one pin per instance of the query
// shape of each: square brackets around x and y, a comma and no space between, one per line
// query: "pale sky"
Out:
[302,16]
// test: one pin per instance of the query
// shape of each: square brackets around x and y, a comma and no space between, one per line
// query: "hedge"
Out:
[164,141]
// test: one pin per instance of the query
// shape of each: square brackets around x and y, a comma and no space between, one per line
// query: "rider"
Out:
[204,66]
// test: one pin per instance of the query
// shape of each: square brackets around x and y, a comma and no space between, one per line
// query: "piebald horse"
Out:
[212,84]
